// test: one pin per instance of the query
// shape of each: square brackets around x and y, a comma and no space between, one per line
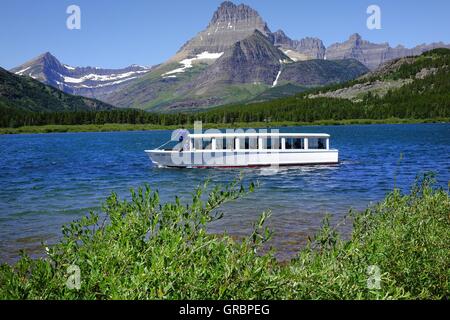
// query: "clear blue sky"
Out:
[117,33]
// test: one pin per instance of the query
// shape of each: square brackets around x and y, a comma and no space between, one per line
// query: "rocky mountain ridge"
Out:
[24,93]
[91,82]
[236,57]
[373,55]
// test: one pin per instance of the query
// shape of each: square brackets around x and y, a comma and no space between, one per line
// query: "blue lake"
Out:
[49,180]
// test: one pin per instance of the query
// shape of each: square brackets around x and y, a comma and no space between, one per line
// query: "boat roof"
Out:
[259,135]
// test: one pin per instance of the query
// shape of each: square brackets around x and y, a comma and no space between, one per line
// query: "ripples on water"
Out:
[48,180]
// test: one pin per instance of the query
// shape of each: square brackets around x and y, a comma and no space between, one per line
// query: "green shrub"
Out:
[141,249]
[405,236]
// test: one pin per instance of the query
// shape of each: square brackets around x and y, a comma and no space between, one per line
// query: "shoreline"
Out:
[113,127]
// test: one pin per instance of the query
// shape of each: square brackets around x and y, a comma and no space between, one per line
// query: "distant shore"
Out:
[111,127]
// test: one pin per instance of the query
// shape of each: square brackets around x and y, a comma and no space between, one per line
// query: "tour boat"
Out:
[228,150]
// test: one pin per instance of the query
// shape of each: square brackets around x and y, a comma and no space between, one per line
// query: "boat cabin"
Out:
[255,141]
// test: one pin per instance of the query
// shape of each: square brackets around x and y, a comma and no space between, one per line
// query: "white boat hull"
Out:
[244,158]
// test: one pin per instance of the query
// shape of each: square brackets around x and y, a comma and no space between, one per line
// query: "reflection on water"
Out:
[49,180]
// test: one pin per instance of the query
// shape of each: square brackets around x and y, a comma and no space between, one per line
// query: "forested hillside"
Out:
[425,94]
[22,93]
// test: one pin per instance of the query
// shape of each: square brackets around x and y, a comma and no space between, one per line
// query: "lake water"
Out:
[49,180]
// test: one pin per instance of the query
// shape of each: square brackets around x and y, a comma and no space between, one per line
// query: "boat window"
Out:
[269,143]
[220,142]
[266,143]
[249,143]
[253,143]
[317,143]
[289,143]
[299,143]
[225,143]
[295,143]
[272,143]
[207,144]
[198,142]
[229,143]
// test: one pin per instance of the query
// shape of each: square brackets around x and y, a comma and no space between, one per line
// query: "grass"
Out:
[110,127]
[399,249]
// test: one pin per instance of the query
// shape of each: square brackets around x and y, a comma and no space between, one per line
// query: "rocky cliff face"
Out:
[252,60]
[282,40]
[87,81]
[321,72]
[370,54]
[305,49]
[373,55]
[230,23]
[312,47]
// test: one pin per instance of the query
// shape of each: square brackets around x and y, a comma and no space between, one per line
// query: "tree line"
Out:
[421,99]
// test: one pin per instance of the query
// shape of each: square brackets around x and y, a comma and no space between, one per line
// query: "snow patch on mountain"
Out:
[21,72]
[85,86]
[276,79]
[102,78]
[69,67]
[188,63]
[109,83]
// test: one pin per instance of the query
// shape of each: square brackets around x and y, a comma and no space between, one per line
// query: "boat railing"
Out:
[251,142]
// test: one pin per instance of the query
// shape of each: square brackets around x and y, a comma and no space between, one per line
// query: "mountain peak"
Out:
[229,12]
[280,32]
[281,39]
[45,59]
[47,54]
[356,37]
[226,5]
[230,23]
[37,66]
[304,49]
[311,47]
